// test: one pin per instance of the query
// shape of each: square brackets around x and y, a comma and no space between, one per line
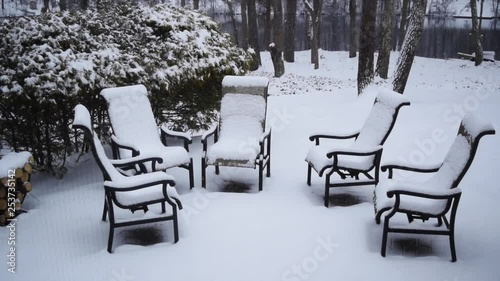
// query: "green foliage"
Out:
[51,62]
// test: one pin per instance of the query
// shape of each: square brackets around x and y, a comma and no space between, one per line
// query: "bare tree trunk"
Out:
[308,30]
[289,48]
[367,44]
[183,3]
[84,4]
[267,23]
[353,44]
[315,15]
[476,33]
[277,46]
[196,4]
[384,54]
[496,9]
[481,15]
[63,6]
[278,25]
[253,40]
[3,7]
[244,24]
[45,8]
[410,44]
[233,20]
[402,24]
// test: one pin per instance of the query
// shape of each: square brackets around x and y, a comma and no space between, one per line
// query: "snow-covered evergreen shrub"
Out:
[51,62]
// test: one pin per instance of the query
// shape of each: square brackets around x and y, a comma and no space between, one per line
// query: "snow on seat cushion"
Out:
[410,203]
[453,165]
[242,118]
[238,143]
[172,156]
[145,195]
[317,158]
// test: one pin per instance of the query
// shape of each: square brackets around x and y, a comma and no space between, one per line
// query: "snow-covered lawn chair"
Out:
[438,196]
[135,130]
[132,193]
[362,157]
[240,138]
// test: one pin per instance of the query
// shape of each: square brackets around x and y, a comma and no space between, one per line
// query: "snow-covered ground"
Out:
[284,232]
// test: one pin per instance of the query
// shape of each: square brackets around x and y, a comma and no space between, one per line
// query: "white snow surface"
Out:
[13,160]
[284,232]
[134,123]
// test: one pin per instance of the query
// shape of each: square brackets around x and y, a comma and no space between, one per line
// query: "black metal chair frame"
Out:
[116,145]
[110,192]
[343,172]
[263,160]
[453,197]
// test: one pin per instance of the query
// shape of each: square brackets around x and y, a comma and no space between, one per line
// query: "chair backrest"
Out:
[243,105]
[381,119]
[131,116]
[463,150]
[83,122]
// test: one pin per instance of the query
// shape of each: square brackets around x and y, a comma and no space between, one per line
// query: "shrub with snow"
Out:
[51,62]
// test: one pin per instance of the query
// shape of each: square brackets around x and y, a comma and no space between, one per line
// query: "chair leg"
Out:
[327,191]
[452,247]
[268,172]
[105,210]
[384,237]
[260,176]
[176,225]
[203,173]
[309,174]
[191,175]
[110,238]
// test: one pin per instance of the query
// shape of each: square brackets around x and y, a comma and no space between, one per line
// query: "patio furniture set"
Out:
[135,178]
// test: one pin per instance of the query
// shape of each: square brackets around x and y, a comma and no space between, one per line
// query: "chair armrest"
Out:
[265,136]
[429,194]
[355,151]
[128,163]
[392,167]
[212,131]
[317,137]
[140,181]
[165,132]
[145,181]
[116,144]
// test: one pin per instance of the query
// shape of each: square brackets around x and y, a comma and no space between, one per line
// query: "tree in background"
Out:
[196,4]
[353,46]
[233,20]
[267,22]
[476,33]
[402,23]
[289,48]
[277,47]
[384,53]
[253,38]
[412,38]
[244,24]
[314,12]
[366,44]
